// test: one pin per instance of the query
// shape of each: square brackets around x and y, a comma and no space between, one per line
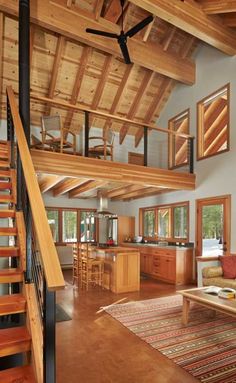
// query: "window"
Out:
[69,226]
[72,225]
[178,146]
[180,222]
[213,124]
[165,222]
[53,220]
[149,223]
[87,227]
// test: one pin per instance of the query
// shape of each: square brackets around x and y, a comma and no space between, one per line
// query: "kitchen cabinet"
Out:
[126,228]
[169,265]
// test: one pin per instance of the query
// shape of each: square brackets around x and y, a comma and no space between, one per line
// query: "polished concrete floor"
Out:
[95,348]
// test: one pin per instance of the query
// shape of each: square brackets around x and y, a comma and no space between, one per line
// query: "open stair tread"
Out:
[7,213]
[12,304]
[23,374]
[4,164]
[5,173]
[14,340]
[9,251]
[12,275]
[5,185]
[8,231]
[5,198]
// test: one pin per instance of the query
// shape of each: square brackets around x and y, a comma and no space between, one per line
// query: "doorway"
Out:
[213,226]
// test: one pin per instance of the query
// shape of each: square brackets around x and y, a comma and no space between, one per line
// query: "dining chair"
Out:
[55,136]
[103,149]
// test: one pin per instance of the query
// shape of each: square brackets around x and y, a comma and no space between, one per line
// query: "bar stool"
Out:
[91,268]
[76,270]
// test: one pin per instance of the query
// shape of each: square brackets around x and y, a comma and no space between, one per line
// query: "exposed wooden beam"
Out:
[113,11]
[190,17]
[166,85]
[121,89]
[87,186]
[122,190]
[144,85]
[101,84]
[98,9]
[169,37]
[148,29]
[148,192]
[101,170]
[56,18]
[78,81]
[80,108]
[218,6]
[59,50]
[47,182]
[67,185]
[229,19]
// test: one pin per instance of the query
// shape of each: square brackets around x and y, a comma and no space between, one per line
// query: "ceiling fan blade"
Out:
[102,33]
[125,52]
[131,32]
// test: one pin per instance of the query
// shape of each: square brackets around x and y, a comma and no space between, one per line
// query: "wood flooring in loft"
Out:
[95,348]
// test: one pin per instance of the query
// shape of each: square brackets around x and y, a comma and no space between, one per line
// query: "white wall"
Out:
[215,175]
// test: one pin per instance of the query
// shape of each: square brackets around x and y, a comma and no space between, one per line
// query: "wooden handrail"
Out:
[51,265]
[81,108]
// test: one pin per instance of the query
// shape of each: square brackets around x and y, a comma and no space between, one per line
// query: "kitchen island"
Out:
[121,268]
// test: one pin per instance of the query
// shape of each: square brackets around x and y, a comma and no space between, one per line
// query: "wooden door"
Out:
[213,226]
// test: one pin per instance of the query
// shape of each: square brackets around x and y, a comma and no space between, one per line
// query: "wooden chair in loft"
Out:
[90,268]
[56,137]
[103,147]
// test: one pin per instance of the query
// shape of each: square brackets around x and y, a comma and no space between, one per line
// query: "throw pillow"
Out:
[228,264]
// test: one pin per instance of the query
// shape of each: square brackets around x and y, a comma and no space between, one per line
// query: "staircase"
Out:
[17,339]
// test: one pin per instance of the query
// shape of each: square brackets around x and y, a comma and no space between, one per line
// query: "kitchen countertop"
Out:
[155,245]
[115,249]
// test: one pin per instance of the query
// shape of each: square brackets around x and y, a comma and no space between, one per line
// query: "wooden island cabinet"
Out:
[170,264]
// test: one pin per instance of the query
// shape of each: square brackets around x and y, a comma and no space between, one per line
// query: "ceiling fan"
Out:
[123,36]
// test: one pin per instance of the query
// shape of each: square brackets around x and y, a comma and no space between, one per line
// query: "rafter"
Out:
[78,81]
[141,92]
[54,17]
[98,9]
[1,52]
[87,186]
[229,19]
[148,29]
[57,60]
[67,185]
[122,190]
[121,89]
[146,192]
[48,182]
[190,17]
[101,84]
[218,6]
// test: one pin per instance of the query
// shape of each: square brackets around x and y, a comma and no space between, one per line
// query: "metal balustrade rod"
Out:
[86,133]
[191,155]
[145,145]
[49,335]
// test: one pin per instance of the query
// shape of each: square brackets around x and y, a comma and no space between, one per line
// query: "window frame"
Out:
[60,223]
[172,140]
[156,208]
[200,125]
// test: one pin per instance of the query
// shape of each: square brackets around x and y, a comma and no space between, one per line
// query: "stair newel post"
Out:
[10,134]
[49,318]
[191,154]
[86,133]
[145,145]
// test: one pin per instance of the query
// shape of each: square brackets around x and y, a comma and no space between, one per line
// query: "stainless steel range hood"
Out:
[102,211]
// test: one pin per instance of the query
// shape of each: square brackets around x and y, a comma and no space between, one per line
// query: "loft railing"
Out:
[155,149]
[42,264]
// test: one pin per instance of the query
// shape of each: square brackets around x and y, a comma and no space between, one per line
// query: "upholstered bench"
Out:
[213,276]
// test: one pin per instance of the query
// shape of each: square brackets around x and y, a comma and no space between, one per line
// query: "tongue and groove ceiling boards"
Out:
[76,68]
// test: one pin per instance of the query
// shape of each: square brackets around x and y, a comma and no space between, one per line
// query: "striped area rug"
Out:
[206,347]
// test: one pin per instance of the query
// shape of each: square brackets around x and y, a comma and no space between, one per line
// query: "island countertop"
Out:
[116,249]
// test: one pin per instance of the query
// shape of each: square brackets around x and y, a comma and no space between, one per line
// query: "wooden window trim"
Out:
[170,206]
[78,211]
[171,138]
[200,141]
[198,224]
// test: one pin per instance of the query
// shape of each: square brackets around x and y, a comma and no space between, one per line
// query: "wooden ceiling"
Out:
[71,66]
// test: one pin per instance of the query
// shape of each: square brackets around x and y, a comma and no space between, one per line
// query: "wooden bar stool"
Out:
[76,275]
[91,268]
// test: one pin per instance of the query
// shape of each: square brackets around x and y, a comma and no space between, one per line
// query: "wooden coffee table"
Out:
[226,306]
